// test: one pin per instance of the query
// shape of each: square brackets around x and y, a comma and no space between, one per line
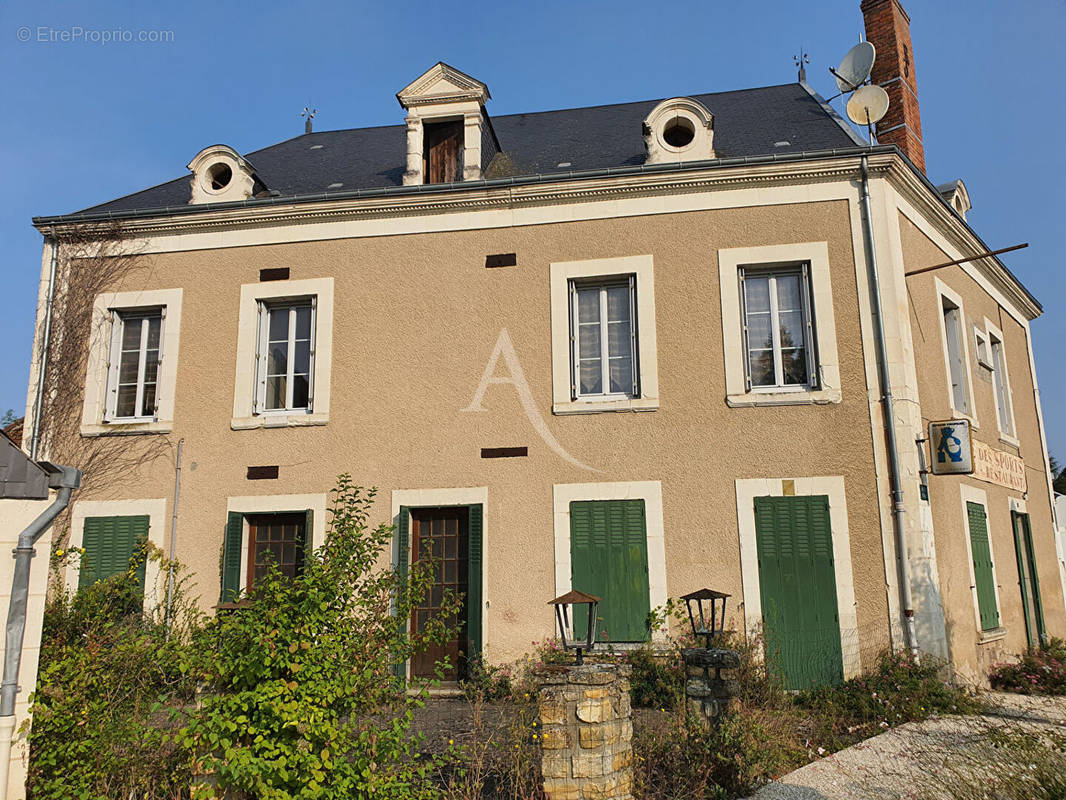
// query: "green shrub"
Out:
[1039,672]
[107,672]
[683,759]
[487,681]
[898,690]
[300,699]
[658,678]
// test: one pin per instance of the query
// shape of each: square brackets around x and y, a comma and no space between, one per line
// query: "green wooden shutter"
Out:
[797,589]
[309,535]
[402,536]
[110,543]
[231,558]
[1041,628]
[474,593]
[982,566]
[609,559]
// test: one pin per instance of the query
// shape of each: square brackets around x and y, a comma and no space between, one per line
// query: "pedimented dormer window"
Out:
[221,175]
[446,122]
[680,129]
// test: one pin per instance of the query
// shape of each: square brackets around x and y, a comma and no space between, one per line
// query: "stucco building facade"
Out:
[634,372]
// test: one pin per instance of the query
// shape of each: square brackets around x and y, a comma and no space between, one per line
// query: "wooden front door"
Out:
[443,535]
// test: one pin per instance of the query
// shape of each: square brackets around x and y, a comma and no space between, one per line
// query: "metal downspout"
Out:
[35,440]
[910,636]
[66,481]
[173,535]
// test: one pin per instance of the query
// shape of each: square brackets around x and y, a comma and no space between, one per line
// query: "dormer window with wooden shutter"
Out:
[445,120]
[442,153]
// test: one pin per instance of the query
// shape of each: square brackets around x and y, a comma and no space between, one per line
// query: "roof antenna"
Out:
[801,61]
[310,114]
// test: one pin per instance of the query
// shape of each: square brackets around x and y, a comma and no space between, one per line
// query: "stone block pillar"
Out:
[586,732]
[707,693]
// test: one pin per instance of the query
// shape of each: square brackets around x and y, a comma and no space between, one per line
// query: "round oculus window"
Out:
[218,176]
[679,132]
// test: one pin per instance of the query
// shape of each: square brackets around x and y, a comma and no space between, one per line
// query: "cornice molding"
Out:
[930,204]
[567,189]
[472,198]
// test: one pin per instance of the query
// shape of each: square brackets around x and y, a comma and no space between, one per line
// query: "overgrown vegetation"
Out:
[299,699]
[291,695]
[107,671]
[1040,672]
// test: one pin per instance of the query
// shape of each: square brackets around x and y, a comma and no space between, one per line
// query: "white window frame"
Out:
[249,364]
[982,348]
[262,361]
[997,348]
[773,273]
[948,299]
[651,492]
[605,365]
[646,371]
[101,369]
[120,318]
[825,373]
[972,494]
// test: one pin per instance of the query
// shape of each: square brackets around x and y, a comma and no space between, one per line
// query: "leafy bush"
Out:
[487,682]
[682,758]
[658,678]
[299,697]
[1039,672]
[107,669]
[896,691]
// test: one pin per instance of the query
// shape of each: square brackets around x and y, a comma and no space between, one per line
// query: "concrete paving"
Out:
[919,759]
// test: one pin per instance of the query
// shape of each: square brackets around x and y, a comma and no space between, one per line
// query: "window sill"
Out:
[127,428]
[991,636]
[817,398]
[1006,438]
[956,414]
[278,421]
[600,406]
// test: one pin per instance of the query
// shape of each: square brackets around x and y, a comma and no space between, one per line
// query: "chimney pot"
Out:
[888,29]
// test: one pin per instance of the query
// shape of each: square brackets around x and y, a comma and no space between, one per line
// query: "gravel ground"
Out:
[918,759]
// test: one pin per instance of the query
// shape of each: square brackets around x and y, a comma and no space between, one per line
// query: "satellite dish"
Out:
[855,68]
[867,105]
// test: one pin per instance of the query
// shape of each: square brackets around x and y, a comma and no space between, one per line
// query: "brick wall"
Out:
[888,28]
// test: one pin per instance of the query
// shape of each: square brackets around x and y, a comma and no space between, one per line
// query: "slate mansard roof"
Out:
[750,122]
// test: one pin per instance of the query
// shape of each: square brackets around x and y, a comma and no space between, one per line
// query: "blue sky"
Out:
[85,121]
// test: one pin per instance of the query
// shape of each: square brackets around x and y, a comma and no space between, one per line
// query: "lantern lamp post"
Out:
[566,616]
[710,621]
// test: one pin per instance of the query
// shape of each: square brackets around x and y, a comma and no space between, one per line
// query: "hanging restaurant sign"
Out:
[951,447]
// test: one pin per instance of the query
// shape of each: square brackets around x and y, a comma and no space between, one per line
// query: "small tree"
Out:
[300,697]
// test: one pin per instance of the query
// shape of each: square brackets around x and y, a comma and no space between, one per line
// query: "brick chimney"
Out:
[888,29]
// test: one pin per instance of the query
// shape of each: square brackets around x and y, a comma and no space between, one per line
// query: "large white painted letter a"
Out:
[517,378]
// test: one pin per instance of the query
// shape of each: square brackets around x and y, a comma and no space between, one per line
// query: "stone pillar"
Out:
[586,732]
[708,695]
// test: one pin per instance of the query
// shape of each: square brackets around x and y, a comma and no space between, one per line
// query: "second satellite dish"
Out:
[868,105]
[855,68]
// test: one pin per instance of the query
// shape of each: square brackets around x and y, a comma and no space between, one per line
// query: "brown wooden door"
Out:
[443,535]
[442,152]
[278,539]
